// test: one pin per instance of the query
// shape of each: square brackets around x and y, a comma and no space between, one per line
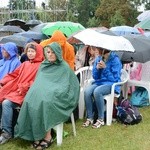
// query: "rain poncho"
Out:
[51,99]
[9,65]
[110,74]
[21,78]
[67,49]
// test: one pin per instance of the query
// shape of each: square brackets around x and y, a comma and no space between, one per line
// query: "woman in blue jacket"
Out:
[106,71]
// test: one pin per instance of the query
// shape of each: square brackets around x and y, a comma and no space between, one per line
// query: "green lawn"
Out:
[114,137]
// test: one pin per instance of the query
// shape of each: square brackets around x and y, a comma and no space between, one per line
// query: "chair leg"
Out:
[109,112]
[59,133]
[81,104]
[73,124]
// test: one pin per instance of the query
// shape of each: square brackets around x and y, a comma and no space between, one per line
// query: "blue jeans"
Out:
[6,114]
[94,94]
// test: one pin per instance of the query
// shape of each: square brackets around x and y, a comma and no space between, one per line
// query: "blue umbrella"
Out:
[33,35]
[18,39]
[124,30]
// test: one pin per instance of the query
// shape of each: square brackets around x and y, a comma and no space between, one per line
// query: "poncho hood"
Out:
[55,47]
[10,48]
[57,36]
[39,53]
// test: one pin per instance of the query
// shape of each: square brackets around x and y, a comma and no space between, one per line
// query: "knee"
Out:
[6,103]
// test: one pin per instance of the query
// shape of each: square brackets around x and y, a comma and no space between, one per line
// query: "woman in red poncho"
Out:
[14,86]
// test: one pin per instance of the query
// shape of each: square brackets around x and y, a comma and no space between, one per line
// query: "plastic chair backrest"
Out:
[146,72]
[85,73]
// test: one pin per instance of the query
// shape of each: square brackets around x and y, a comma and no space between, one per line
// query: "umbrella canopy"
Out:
[94,38]
[141,45]
[18,39]
[33,35]
[66,27]
[38,28]
[144,15]
[145,24]
[33,23]
[17,22]
[124,30]
[13,29]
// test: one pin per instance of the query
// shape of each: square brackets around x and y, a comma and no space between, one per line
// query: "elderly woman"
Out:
[50,101]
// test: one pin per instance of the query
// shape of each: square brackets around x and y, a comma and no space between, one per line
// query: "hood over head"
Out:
[57,36]
[39,51]
[55,47]
[10,48]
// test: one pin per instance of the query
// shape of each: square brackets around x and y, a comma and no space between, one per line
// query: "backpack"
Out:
[140,97]
[127,113]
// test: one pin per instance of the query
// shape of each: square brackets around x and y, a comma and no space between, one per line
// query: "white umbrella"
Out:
[144,15]
[94,38]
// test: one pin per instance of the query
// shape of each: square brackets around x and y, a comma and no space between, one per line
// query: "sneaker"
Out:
[98,123]
[5,137]
[87,123]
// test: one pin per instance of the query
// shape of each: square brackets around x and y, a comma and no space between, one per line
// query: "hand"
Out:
[101,65]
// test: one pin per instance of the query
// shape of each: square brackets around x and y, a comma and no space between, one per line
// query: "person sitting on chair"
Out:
[50,101]
[10,60]
[14,86]
[106,71]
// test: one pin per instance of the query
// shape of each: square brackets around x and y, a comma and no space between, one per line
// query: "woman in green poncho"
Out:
[50,100]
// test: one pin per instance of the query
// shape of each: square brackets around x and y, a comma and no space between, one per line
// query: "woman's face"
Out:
[31,53]
[50,55]
[5,54]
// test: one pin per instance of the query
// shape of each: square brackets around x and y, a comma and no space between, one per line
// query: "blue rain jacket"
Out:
[110,74]
[9,65]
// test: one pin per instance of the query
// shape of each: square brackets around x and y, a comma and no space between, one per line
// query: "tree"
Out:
[107,10]
[117,19]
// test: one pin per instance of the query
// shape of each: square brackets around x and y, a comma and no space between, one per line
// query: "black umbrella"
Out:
[17,22]
[33,23]
[141,45]
[33,35]
[18,39]
[13,29]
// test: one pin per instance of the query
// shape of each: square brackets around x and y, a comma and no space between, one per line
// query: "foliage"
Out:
[114,137]
[107,10]
[117,19]
[93,22]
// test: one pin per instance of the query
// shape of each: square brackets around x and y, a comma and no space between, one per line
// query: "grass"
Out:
[114,137]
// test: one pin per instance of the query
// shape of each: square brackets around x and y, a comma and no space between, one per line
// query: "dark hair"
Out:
[30,45]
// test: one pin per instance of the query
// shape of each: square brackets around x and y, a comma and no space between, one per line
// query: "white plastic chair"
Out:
[85,74]
[59,130]
[144,82]
[110,97]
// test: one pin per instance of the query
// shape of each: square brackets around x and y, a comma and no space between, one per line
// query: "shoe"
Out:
[5,137]
[98,124]
[44,144]
[87,123]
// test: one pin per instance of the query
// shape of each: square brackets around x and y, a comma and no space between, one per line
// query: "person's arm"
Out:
[96,71]
[10,76]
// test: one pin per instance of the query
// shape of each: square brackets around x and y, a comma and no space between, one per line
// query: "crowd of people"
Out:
[46,89]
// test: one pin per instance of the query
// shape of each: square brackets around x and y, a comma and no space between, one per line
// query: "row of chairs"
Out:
[85,76]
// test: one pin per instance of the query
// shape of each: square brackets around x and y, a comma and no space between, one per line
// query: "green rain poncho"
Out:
[50,100]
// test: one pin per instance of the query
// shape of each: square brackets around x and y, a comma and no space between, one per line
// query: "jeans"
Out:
[6,114]
[94,94]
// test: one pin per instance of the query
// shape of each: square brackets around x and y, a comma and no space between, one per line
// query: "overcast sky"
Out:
[5,2]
